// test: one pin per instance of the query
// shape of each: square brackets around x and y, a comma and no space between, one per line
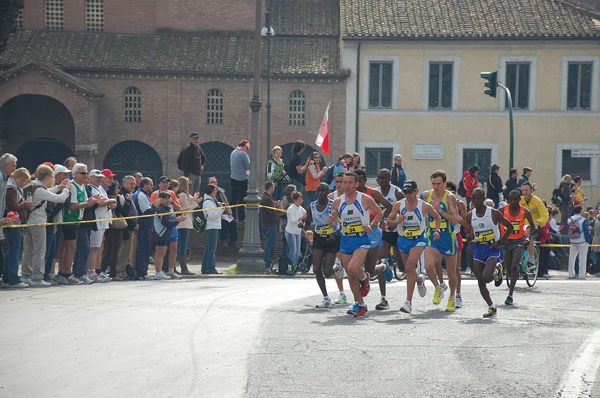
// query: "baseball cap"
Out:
[526,169]
[163,179]
[194,135]
[246,143]
[49,164]
[409,186]
[108,173]
[96,173]
[59,168]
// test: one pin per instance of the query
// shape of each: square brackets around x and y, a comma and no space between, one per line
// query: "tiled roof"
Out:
[471,19]
[306,17]
[171,53]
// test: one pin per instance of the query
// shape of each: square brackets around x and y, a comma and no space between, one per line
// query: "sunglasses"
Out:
[83,173]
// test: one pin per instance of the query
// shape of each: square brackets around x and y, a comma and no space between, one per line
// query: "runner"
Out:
[482,226]
[326,241]
[443,202]
[375,236]
[352,208]
[338,268]
[462,215]
[513,251]
[408,216]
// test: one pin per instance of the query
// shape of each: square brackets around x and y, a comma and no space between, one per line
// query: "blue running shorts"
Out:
[375,237]
[350,244]
[483,253]
[446,244]
[404,244]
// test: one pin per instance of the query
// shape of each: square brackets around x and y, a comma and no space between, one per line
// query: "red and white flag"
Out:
[322,140]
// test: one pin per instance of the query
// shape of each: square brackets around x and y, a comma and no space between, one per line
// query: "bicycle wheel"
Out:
[532,270]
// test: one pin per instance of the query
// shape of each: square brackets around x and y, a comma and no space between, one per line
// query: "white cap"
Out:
[61,169]
[96,173]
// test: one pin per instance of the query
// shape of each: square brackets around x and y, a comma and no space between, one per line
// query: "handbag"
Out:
[117,223]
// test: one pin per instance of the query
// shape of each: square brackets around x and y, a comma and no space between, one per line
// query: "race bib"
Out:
[324,230]
[485,237]
[443,224]
[516,227]
[354,228]
[411,232]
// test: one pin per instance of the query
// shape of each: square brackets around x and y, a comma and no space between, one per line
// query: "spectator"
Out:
[54,232]
[470,182]
[270,221]
[313,176]
[341,166]
[34,239]
[295,214]
[138,177]
[296,169]
[276,172]
[113,236]
[527,171]
[567,204]
[193,161]
[8,164]
[127,189]
[163,224]
[228,234]
[494,187]
[213,225]
[578,197]
[511,183]
[240,171]
[596,249]
[188,202]
[15,203]
[141,200]
[579,243]
[81,265]
[69,163]
[356,164]
[557,238]
[102,212]
[398,174]
[285,204]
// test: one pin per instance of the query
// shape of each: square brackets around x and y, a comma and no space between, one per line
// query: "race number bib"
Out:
[324,230]
[516,227]
[485,237]
[354,228]
[411,232]
[443,224]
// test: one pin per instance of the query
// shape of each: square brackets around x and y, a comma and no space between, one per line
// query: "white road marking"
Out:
[579,379]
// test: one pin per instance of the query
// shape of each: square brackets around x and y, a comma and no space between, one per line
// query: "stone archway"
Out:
[217,164]
[128,157]
[37,151]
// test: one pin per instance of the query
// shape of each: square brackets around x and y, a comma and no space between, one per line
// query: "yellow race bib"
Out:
[411,232]
[354,228]
[325,230]
[485,237]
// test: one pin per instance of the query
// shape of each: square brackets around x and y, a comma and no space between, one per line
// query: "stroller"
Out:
[305,259]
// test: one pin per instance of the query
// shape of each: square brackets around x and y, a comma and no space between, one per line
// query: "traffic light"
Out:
[491,84]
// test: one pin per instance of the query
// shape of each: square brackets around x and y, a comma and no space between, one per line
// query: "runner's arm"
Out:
[392,219]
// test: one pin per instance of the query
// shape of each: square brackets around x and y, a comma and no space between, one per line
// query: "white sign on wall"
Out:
[428,150]
[585,153]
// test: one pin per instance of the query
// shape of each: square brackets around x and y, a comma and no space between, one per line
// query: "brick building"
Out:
[122,84]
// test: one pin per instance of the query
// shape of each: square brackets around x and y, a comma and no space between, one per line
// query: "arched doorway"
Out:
[37,128]
[128,157]
[217,165]
[287,153]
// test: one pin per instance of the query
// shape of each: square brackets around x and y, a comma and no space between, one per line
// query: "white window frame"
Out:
[564,75]
[533,63]
[366,61]
[363,145]
[455,60]
[558,173]
[460,146]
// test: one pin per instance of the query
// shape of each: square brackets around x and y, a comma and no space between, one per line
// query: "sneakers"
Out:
[26,280]
[407,307]
[339,271]
[365,287]
[19,285]
[63,281]
[173,275]
[102,277]
[498,275]
[87,280]
[438,295]
[444,288]
[161,276]
[383,305]
[362,310]
[388,273]
[326,303]
[40,283]
[491,312]
[421,287]
[342,299]
[353,310]
[451,305]
[458,303]
[546,276]
[73,280]
[509,300]
[530,260]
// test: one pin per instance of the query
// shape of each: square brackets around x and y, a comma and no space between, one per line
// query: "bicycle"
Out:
[527,271]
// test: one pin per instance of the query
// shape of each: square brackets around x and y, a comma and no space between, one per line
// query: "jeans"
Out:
[229,231]
[184,236]
[142,251]
[11,260]
[561,240]
[80,263]
[271,237]
[596,261]
[238,193]
[209,264]
[294,242]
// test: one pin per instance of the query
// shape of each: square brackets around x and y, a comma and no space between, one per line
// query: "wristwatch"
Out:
[372,226]
[436,230]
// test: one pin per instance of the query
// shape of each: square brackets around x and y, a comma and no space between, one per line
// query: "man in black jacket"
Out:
[192,162]
[511,183]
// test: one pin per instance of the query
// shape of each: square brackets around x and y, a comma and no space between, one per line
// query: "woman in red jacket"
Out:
[470,182]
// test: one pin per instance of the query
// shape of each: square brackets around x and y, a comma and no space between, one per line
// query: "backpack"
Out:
[180,159]
[286,266]
[557,197]
[328,178]
[199,219]
[461,188]
[28,190]
[573,231]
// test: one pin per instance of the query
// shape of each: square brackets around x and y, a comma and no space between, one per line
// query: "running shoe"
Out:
[498,275]
[342,299]
[388,273]
[161,276]
[18,285]
[102,277]
[73,280]
[491,312]
[365,287]
[458,303]
[326,303]
[407,307]
[383,305]
[26,280]
[362,310]
[353,310]
[339,271]
[62,281]
[171,274]
[438,295]
[451,305]
[421,287]
[86,280]
[509,300]
[444,287]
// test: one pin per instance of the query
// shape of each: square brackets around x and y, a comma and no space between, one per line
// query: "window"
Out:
[377,159]
[481,158]
[569,163]
[297,109]
[54,15]
[214,107]
[575,166]
[517,81]
[94,15]
[380,85]
[440,85]
[579,85]
[133,105]
[19,20]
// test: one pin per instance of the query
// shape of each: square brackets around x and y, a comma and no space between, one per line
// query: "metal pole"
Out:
[512,132]
[251,252]
[268,24]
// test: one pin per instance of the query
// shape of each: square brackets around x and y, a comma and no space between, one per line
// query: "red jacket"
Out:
[470,182]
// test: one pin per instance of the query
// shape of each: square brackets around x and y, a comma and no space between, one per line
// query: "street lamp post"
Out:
[251,252]
[268,32]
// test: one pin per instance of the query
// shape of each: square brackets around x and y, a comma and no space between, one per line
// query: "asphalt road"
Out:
[262,337]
